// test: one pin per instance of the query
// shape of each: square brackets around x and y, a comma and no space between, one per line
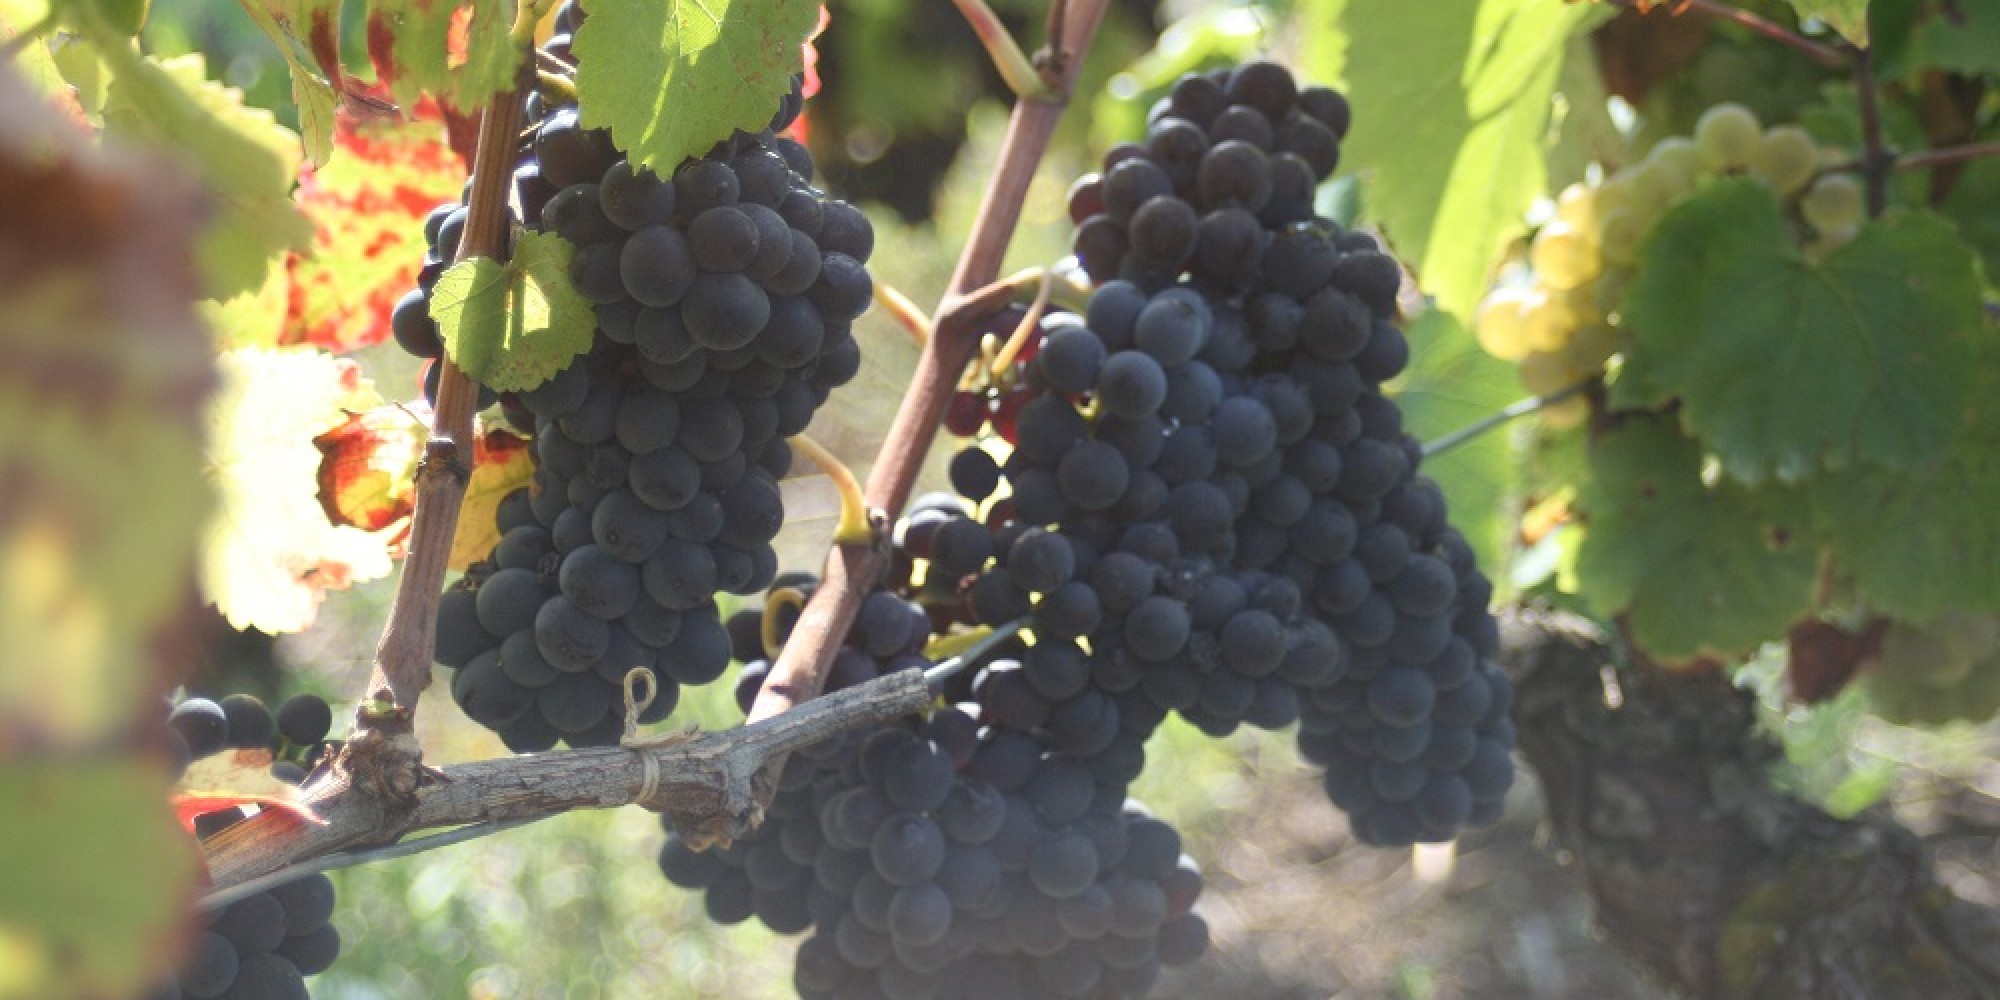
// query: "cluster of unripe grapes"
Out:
[1562,325]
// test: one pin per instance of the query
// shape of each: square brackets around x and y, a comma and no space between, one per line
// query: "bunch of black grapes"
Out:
[263,946]
[1209,500]
[966,854]
[724,299]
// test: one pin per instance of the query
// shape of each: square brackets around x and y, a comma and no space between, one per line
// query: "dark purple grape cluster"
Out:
[263,946]
[724,296]
[968,854]
[1210,501]
[1230,157]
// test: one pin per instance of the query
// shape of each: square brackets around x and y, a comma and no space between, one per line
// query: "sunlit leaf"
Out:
[307,34]
[457,50]
[367,469]
[271,554]
[245,156]
[672,78]
[367,207]
[512,326]
[502,463]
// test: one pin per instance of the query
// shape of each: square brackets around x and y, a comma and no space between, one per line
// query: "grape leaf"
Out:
[1925,542]
[367,469]
[1452,383]
[1849,17]
[1453,101]
[501,463]
[672,78]
[307,30]
[1965,40]
[1700,570]
[255,318]
[512,326]
[1974,205]
[459,50]
[242,153]
[367,209]
[1784,365]
[101,393]
[271,554]
[97,877]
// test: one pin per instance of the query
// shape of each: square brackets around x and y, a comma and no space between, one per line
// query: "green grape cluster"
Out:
[1561,325]
[1934,674]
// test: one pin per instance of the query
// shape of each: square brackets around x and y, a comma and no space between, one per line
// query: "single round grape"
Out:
[1563,256]
[1726,137]
[1786,158]
[1834,205]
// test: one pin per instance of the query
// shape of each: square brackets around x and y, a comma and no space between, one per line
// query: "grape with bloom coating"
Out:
[1833,206]
[1786,158]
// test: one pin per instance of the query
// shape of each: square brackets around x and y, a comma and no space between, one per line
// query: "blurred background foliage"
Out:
[908,125]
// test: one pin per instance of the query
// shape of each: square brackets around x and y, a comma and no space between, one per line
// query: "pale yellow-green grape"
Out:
[1618,237]
[1502,324]
[1726,137]
[1677,157]
[1563,255]
[1606,292]
[1653,186]
[1786,159]
[1581,303]
[1615,193]
[1549,320]
[1833,207]
[1591,346]
[1577,205]
[1546,373]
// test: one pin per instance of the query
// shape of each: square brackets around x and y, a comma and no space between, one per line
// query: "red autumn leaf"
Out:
[190,805]
[367,205]
[367,467]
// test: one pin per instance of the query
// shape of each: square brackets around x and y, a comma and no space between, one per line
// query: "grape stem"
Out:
[905,311]
[1514,411]
[1876,160]
[1824,55]
[983,643]
[402,667]
[855,526]
[1030,322]
[963,318]
[1015,68]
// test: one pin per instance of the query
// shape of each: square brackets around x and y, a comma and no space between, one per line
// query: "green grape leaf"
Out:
[98,875]
[1451,384]
[1849,17]
[307,34]
[1924,542]
[459,51]
[512,326]
[1967,40]
[1786,365]
[245,156]
[1700,570]
[1453,102]
[672,78]
[1974,205]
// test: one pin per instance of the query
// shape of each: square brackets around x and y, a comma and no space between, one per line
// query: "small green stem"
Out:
[1014,65]
[1514,411]
[854,527]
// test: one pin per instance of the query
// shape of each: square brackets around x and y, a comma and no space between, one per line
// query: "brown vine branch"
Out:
[1876,160]
[1824,55]
[1947,155]
[403,659]
[1015,68]
[707,783]
[973,297]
